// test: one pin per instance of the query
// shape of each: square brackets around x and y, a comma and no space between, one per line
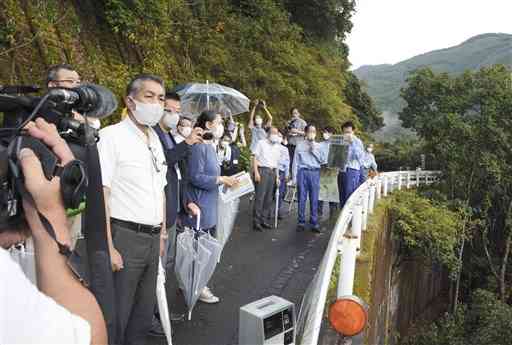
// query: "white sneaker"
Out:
[207,296]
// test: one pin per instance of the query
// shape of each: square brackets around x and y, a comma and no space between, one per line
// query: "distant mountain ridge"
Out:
[385,81]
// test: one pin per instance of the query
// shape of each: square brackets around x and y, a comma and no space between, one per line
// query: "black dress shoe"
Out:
[257,227]
[266,225]
[316,229]
[300,227]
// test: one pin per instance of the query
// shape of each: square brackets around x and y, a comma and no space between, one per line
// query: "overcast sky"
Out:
[389,31]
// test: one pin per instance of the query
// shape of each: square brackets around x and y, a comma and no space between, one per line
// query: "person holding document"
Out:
[202,193]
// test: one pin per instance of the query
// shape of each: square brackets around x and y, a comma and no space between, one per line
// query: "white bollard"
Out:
[379,189]
[371,201]
[417,178]
[408,180]
[348,268]
[385,189]
[400,181]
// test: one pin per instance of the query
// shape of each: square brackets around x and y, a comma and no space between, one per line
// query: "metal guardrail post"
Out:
[357,224]
[385,189]
[400,181]
[379,189]
[408,180]
[366,198]
[418,178]
[371,201]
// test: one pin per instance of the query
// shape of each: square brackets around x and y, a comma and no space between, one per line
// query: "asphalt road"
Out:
[254,265]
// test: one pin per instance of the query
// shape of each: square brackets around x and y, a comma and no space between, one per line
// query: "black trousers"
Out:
[264,194]
[135,284]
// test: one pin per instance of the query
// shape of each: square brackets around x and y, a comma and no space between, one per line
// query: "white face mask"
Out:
[295,114]
[224,144]
[258,121]
[310,136]
[147,114]
[171,119]
[275,139]
[370,150]
[218,131]
[348,136]
[326,136]
[186,131]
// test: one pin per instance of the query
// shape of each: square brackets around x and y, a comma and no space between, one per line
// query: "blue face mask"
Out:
[231,127]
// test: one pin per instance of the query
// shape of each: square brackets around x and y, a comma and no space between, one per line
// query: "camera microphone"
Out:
[88,99]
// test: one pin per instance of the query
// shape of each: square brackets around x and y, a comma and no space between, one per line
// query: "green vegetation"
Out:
[487,320]
[425,229]
[265,48]
[464,122]
[385,81]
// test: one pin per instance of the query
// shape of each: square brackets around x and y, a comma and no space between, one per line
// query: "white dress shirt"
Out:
[27,316]
[267,154]
[133,168]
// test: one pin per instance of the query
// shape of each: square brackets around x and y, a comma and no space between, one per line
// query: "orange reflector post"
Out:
[348,315]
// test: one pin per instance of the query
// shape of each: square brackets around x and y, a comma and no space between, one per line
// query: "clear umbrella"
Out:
[198,97]
[161,298]
[196,258]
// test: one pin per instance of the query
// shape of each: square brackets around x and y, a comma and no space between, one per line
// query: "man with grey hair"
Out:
[133,168]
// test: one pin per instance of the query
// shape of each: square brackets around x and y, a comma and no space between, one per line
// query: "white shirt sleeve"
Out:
[258,151]
[27,316]
[108,157]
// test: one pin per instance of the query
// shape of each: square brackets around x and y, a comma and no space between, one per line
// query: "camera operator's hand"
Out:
[46,194]
[196,137]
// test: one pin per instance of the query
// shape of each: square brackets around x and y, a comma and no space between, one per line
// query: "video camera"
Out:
[59,106]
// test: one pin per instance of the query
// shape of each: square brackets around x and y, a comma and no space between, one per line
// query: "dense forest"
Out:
[287,52]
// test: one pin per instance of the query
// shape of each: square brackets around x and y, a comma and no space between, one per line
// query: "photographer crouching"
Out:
[62,310]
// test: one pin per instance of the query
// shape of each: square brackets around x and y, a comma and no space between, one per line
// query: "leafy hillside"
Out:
[385,81]
[265,48]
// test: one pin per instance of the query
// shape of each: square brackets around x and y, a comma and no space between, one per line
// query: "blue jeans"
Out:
[350,184]
[308,184]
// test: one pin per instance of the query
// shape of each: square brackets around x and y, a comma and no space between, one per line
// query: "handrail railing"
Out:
[345,241]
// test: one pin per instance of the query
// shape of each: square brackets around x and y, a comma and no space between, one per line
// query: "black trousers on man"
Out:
[264,195]
[135,284]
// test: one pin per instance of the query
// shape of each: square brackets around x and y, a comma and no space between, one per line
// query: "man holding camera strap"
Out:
[134,172]
[64,310]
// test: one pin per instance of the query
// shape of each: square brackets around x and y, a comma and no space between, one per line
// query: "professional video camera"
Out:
[60,107]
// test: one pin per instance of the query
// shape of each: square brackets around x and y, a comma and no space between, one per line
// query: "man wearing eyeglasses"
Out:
[134,169]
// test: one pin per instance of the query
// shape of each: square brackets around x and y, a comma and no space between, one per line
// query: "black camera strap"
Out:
[63,249]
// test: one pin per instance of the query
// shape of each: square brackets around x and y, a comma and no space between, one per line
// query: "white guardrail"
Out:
[345,241]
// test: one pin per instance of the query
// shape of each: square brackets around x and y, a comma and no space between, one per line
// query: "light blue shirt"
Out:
[355,155]
[257,133]
[308,157]
[284,161]
[368,161]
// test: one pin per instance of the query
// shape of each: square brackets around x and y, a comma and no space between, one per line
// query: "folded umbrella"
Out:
[161,298]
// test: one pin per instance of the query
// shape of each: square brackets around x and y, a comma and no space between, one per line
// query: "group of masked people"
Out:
[161,172]
[293,156]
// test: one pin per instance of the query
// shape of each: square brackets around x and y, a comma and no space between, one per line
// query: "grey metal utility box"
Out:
[270,320]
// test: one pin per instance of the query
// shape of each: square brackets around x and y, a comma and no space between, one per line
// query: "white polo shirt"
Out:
[267,154]
[134,170]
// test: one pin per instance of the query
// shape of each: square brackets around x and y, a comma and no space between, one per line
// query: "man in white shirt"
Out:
[134,169]
[64,311]
[265,165]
